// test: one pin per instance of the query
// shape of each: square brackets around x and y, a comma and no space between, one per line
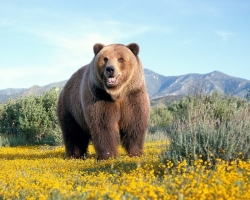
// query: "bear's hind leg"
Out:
[82,144]
[76,141]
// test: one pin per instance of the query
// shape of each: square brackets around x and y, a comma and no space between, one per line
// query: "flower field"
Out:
[43,172]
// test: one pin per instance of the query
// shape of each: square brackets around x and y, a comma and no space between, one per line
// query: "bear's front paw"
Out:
[106,155]
[135,152]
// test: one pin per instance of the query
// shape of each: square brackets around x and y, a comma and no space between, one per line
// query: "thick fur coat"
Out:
[105,101]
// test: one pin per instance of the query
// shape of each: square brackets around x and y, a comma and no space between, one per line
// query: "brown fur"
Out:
[105,101]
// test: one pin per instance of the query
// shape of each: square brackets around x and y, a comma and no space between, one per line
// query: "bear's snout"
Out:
[110,71]
[111,75]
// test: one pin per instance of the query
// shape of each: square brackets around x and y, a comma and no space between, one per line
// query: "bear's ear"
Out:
[134,48]
[97,47]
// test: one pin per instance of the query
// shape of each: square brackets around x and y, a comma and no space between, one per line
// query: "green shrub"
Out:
[1,109]
[12,140]
[248,93]
[156,136]
[212,127]
[33,118]
[160,118]
[215,105]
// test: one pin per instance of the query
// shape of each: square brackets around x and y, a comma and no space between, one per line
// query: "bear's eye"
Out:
[120,60]
[105,59]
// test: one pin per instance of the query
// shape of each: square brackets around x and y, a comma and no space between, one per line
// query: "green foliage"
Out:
[160,118]
[12,140]
[210,127]
[1,109]
[156,136]
[33,118]
[214,105]
[248,94]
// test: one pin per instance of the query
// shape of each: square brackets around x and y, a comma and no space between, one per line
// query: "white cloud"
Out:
[72,49]
[25,77]
[224,34]
[84,37]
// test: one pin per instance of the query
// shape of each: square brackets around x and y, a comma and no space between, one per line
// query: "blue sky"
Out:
[47,41]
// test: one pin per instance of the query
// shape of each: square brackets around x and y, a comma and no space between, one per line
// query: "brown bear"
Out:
[105,101]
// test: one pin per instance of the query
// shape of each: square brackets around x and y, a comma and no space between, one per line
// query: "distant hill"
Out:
[161,86]
[168,87]
[11,91]
[14,93]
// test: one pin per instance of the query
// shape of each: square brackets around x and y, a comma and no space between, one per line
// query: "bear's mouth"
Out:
[111,81]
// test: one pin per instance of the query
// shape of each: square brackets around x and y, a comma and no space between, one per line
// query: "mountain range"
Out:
[161,86]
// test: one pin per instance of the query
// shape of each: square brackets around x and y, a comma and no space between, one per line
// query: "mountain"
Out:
[14,93]
[11,91]
[162,86]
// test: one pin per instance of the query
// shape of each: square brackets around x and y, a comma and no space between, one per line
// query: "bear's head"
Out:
[115,66]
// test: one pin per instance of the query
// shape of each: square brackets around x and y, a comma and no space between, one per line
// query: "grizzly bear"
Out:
[106,102]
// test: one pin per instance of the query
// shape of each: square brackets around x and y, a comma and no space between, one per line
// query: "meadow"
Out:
[196,148]
[43,172]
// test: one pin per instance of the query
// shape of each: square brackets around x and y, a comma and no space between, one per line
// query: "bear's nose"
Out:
[110,70]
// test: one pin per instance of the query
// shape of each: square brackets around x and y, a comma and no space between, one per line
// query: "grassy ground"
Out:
[43,172]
